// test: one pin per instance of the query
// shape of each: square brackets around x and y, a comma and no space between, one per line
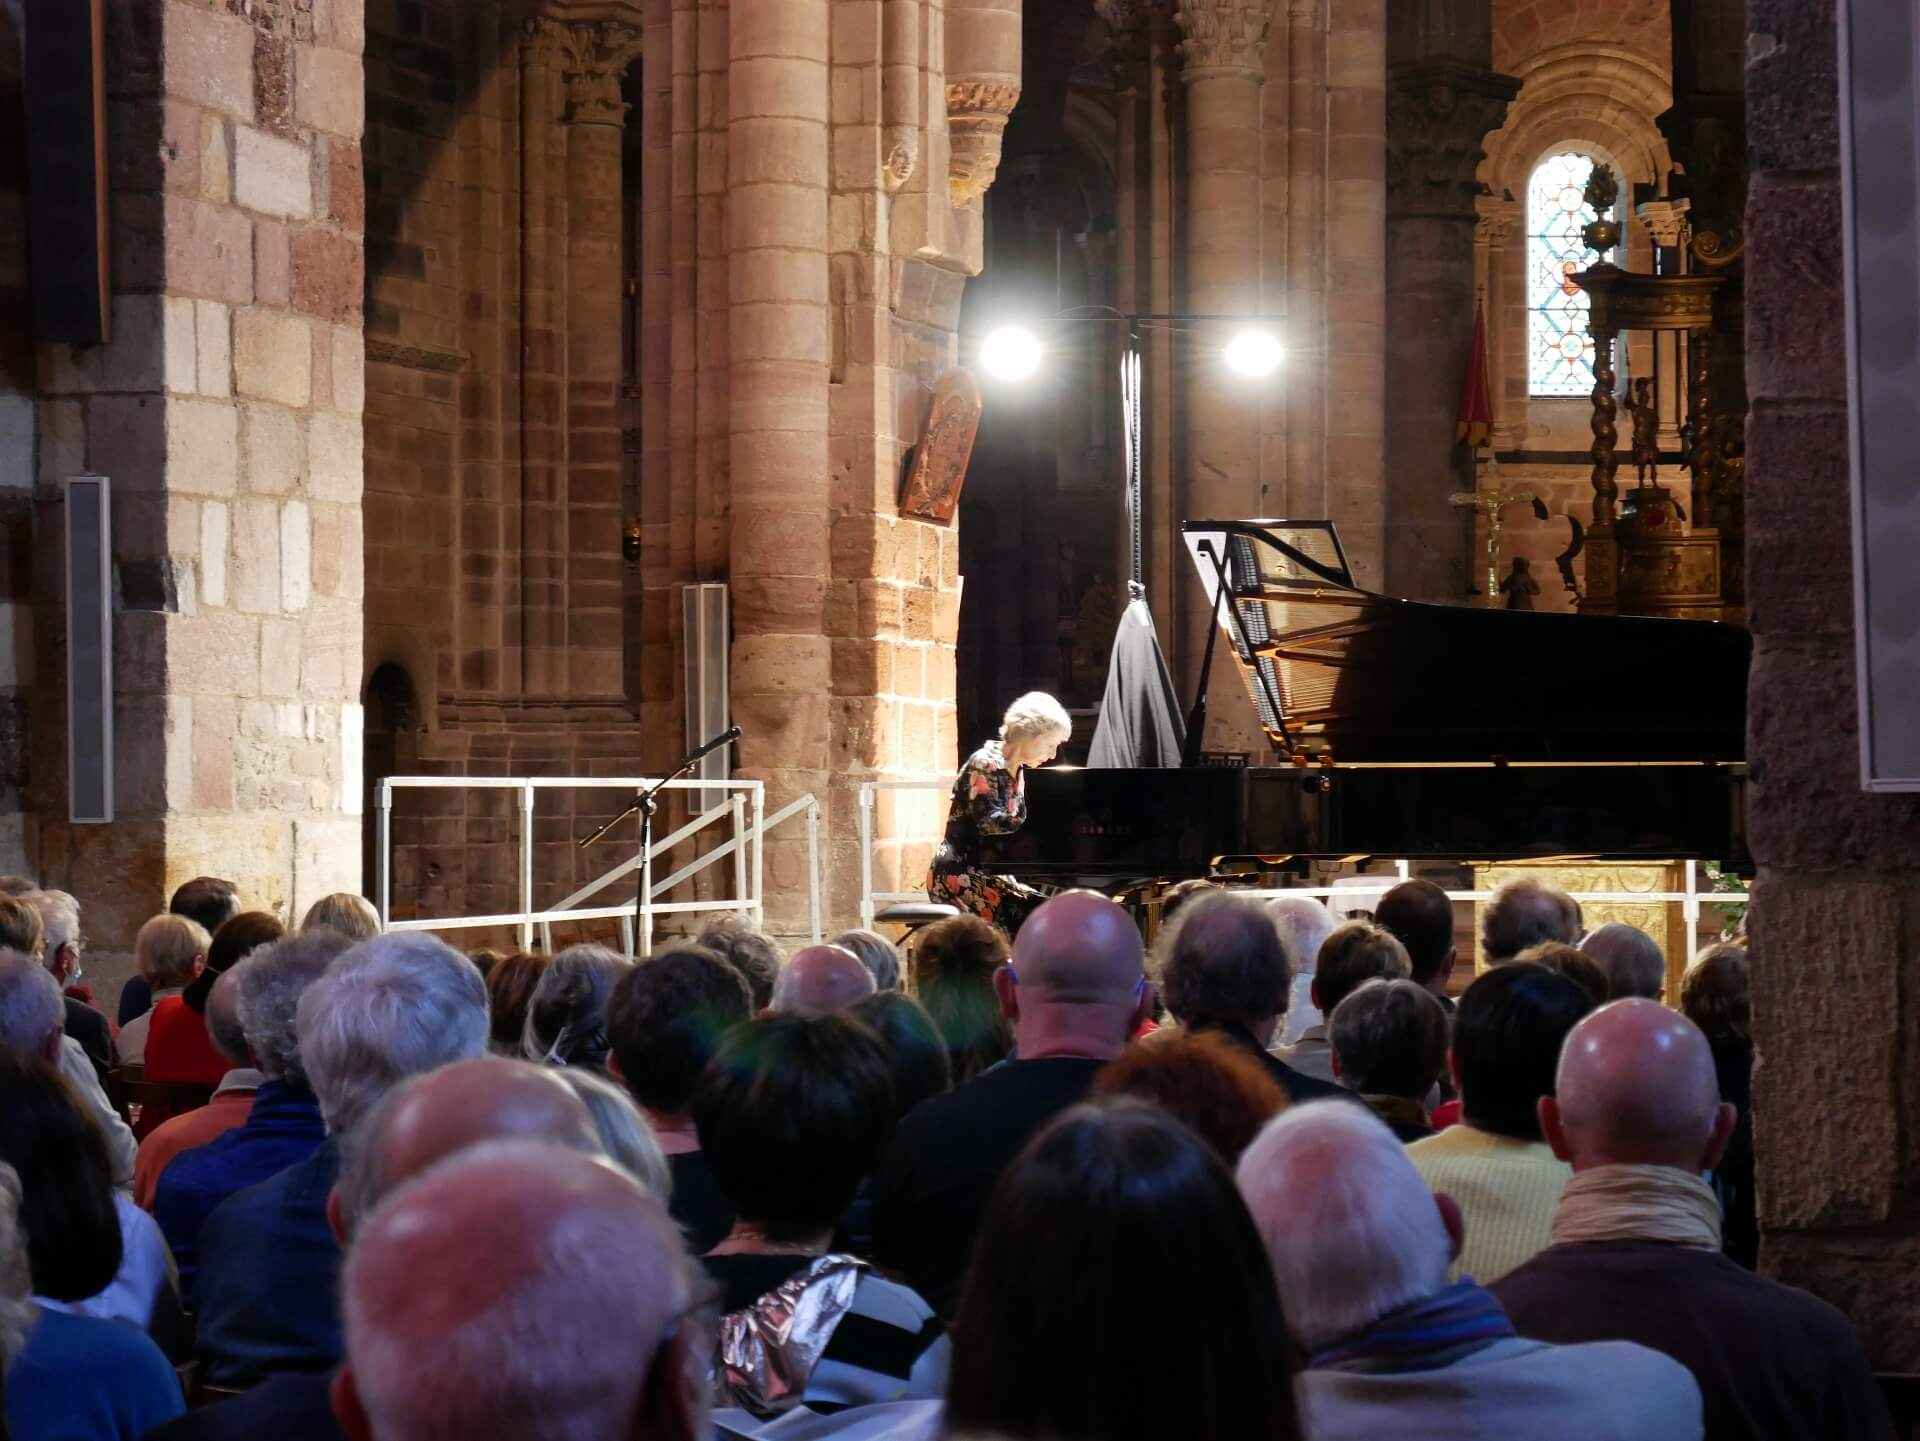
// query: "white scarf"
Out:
[1638,1203]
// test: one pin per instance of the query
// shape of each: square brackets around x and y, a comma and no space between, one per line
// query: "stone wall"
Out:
[1834,916]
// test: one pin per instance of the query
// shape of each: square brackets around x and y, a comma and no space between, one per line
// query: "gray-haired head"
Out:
[353,916]
[270,983]
[60,920]
[389,1008]
[879,955]
[567,1016]
[1304,924]
[625,1134]
[1632,959]
[1224,963]
[1352,1231]
[1525,912]
[229,1037]
[31,1008]
[1034,716]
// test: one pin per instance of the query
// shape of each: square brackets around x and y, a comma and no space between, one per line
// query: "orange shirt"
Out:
[195,1128]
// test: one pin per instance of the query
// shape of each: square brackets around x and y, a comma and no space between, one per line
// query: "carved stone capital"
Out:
[1223,37]
[592,58]
[1498,219]
[977,111]
[1438,119]
[1666,221]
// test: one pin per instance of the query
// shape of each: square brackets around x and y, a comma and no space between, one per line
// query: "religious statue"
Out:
[1520,587]
[1646,430]
[937,466]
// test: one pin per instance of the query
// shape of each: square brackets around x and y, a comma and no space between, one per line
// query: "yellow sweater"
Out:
[1507,1191]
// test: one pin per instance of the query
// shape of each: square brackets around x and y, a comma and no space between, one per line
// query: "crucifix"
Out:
[1491,503]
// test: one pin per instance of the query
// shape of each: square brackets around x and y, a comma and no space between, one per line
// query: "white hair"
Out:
[31,1008]
[1304,924]
[1351,1229]
[269,983]
[59,918]
[390,1008]
[563,1353]
[624,1133]
[1033,715]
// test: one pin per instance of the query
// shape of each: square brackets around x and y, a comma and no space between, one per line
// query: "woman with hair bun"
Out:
[990,799]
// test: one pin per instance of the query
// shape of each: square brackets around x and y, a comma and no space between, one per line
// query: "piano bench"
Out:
[914,914]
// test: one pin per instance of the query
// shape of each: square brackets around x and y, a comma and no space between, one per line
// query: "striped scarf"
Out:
[1428,1335]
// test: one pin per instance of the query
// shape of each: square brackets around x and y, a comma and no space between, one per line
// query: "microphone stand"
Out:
[646,803]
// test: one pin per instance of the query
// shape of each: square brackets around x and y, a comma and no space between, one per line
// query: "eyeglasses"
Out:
[1139,986]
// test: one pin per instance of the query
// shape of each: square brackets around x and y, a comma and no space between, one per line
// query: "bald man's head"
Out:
[443,1112]
[223,1019]
[1079,947]
[519,1290]
[820,979]
[1637,1087]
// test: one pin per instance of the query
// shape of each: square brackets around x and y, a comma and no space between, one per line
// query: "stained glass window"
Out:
[1559,350]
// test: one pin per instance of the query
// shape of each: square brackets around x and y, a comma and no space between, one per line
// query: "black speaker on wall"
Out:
[66,104]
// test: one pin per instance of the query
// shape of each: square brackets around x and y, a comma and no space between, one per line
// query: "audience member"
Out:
[1421,916]
[1573,963]
[1354,954]
[92,1251]
[180,1046]
[794,1111]
[1304,923]
[1524,912]
[1205,1082]
[1119,1293]
[353,916]
[665,1019]
[459,1309]
[169,952]
[1714,996]
[283,1126]
[1224,967]
[209,903]
[231,1104]
[1389,1047]
[567,1013]
[1636,1242]
[1360,1250]
[753,954]
[391,1007]
[1180,893]
[31,1012]
[820,979]
[1631,959]
[921,1067]
[60,952]
[484,960]
[879,955]
[21,929]
[625,1136]
[953,964]
[1507,1034]
[71,1377]
[1075,991]
[510,987]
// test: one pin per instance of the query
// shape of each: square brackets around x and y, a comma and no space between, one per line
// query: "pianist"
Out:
[990,799]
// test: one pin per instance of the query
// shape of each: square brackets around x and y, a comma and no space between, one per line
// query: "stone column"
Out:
[1221,55]
[1307,490]
[227,413]
[1438,115]
[777,323]
[1666,222]
[1499,251]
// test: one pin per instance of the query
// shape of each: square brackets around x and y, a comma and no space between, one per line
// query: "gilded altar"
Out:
[1664,920]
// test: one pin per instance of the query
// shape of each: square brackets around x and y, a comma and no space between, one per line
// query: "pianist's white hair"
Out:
[1352,1231]
[1034,715]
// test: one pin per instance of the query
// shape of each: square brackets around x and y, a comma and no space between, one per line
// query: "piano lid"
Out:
[1374,679]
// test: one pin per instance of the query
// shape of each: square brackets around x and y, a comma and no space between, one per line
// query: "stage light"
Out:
[1255,354]
[1011,353]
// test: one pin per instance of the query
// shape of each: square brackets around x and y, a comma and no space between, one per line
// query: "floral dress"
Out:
[989,799]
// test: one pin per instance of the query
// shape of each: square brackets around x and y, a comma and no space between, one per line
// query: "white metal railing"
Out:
[1691,900]
[745,847]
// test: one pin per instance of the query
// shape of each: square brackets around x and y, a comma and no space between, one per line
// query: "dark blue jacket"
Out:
[285,1408]
[269,1271]
[283,1128]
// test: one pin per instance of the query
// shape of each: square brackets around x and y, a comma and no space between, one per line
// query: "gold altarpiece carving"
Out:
[1665,921]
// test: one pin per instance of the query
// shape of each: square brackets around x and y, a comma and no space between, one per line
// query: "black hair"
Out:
[794,1112]
[1419,913]
[66,1180]
[920,1066]
[1119,1291]
[667,1017]
[208,900]
[1507,1034]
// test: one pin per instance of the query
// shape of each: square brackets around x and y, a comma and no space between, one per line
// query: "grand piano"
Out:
[1406,730]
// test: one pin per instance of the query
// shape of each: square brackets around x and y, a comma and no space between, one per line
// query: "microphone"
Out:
[726,737]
